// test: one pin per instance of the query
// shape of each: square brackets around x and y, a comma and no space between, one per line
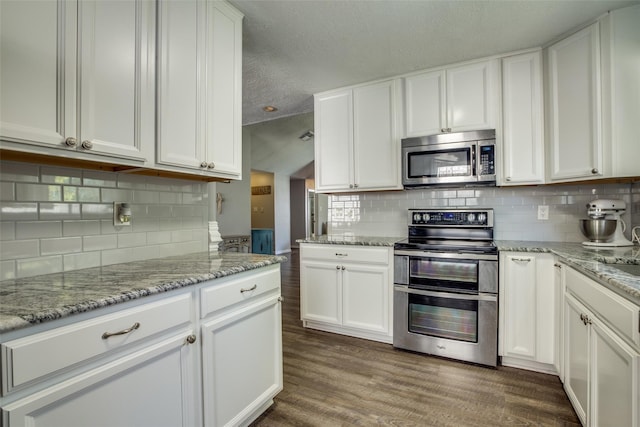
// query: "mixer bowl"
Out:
[598,230]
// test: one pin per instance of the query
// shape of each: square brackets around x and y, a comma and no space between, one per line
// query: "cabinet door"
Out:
[425,104]
[321,292]
[615,380]
[576,357]
[116,71]
[224,88]
[365,300]
[575,145]
[522,110]
[241,362]
[520,303]
[472,95]
[37,82]
[376,148]
[334,141]
[152,387]
[180,138]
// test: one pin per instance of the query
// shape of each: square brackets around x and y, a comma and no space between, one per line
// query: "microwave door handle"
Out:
[473,162]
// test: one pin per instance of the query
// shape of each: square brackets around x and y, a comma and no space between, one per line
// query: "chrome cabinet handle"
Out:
[521,259]
[122,332]
[71,142]
[341,254]
[337,267]
[190,339]
[86,144]
[203,164]
[211,165]
[594,171]
[343,268]
[253,288]
[508,179]
[280,299]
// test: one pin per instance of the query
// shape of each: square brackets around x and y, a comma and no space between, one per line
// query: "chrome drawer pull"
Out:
[122,332]
[521,259]
[339,254]
[253,288]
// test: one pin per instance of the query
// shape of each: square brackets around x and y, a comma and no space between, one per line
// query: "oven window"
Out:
[441,274]
[440,163]
[444,317]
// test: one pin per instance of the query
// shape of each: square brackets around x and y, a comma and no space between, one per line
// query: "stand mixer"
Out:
[600,231]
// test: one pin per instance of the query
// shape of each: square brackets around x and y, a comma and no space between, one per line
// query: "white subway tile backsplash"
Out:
[82,260]
[7,270]
[97,211]
[101,242]
[7,191]
[80,227]
[38,229]
[55,175]
[115,195]
[16,249]
[38,192]
[13,211]
[515,209]
[91,178]
[55,219]
[60,245]
[54,211]
[19,172]
[88,195]
[132,239]
[7,230]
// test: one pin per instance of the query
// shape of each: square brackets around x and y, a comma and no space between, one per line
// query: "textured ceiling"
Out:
[295,48]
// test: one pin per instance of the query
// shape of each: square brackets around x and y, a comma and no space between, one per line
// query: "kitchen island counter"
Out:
[34,300]
[598,263]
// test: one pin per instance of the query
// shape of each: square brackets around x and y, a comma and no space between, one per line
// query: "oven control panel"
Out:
[467,218]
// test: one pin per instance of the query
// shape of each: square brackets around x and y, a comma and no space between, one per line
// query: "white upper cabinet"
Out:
[452,100]
[199,87]
[78,77]
[574,108]
[522,120]
[356,142]
[620,44]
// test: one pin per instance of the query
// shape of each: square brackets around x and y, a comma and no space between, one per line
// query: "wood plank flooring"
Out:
[334,380]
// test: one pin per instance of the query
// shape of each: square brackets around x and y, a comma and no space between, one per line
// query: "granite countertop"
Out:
[598,263]
[33,300]
[349,239]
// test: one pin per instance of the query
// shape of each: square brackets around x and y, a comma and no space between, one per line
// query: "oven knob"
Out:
[417,217]
[471,217]
[482,217]
[425,217]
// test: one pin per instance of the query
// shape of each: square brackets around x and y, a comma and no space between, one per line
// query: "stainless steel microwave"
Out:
[463,158]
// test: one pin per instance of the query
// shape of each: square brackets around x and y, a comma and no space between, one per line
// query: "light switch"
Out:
[543,212]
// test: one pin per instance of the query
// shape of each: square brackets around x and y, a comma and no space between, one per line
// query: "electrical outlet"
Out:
[121,214]
[543,212]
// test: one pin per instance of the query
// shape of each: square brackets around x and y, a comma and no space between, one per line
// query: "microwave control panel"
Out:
[486,165]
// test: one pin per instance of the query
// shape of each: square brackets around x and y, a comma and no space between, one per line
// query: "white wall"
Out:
[282,213]
[385,213]
[56,219]
[235,218]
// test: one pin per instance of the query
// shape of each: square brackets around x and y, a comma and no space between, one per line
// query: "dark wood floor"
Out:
[334,380]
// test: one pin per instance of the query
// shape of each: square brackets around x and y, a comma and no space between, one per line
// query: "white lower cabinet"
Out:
[242,358]
[601,366]
[347,290]
[528,317]
[146,364]
[152,387]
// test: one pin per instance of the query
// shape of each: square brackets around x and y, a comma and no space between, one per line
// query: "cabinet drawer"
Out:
[346,253]
[622,315]
[30,358]
[223,295]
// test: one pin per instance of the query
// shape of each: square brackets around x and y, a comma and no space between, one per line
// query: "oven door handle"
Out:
[450,255]
[475,297]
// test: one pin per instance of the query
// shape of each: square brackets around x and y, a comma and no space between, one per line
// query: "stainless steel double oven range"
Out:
[446,285]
